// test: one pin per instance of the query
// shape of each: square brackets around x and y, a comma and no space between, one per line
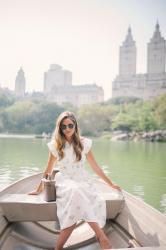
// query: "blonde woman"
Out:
[77,198]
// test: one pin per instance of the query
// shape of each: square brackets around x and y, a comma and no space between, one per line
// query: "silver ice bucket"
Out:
[49,188]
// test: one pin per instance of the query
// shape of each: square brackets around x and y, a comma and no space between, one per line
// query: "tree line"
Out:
[35,115]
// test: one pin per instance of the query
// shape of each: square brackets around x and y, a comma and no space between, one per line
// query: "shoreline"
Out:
[151,136]
[24,136]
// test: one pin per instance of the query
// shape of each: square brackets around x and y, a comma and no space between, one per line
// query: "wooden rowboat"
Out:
[29,223]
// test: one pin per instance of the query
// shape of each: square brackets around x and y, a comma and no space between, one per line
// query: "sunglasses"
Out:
[64,127]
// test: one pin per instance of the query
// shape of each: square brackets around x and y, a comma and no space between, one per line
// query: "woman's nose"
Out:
[68,129]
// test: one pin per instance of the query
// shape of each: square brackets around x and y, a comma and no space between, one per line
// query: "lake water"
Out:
[138,167]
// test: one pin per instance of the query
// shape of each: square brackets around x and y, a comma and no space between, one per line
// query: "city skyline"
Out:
[82,36]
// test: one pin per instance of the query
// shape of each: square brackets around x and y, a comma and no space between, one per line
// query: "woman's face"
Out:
[68,128]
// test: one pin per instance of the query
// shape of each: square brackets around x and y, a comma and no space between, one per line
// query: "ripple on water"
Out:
[163,203]
[138,191]
[139,168]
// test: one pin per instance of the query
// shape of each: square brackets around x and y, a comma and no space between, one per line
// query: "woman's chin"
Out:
[68,135]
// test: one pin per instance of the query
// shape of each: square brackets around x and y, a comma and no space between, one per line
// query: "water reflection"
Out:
[106,169]
[138,191]
[163,203]
[137,167]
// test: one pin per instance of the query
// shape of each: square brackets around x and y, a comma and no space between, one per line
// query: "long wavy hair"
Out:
[60,139]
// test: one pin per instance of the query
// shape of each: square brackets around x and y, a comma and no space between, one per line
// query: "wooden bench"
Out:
[24,207]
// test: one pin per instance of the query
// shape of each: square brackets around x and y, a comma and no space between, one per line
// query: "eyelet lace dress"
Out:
[77,196]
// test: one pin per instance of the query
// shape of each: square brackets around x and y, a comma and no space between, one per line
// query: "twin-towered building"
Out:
[150,84]
[58,82]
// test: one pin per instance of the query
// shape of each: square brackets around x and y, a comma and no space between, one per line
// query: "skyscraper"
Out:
[127,56]
[20,83]
[156,53]
[56,77]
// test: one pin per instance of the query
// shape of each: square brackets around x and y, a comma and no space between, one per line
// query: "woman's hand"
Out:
[38,189]
[50,164]
[35,192]
[115,186]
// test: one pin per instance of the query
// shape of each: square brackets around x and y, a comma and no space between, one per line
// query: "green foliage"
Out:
[36,115]
[30,117]
[122,100]
[6,99]
[45,117]
[146,119]
[96,118]
[124,122]
[159,108]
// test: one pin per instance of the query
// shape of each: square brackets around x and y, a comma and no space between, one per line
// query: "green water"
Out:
[138,167]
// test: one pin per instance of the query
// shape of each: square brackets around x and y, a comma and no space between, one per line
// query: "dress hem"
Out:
[83,221]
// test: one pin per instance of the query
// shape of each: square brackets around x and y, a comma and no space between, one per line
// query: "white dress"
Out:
[77,196]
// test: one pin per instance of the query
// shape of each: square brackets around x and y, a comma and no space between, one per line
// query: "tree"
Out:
[28,117]
[96,118]
[159,108]
[6,99]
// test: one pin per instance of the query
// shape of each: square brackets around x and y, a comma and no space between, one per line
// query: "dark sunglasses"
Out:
[64,127]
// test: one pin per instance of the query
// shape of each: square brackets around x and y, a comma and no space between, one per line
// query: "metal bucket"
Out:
[49,190]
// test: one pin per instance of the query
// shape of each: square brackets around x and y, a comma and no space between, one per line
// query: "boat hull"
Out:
[135,224]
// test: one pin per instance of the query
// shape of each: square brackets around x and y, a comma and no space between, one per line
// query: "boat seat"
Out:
[24,207]
[144,248]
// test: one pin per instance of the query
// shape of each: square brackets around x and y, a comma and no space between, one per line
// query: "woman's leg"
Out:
[101,236]
[63,236]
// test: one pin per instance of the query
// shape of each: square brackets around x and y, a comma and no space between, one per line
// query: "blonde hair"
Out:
[60,139]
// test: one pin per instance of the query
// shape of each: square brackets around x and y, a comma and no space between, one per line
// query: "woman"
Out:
[77,197]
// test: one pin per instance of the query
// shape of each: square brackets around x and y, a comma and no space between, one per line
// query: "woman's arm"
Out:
[99,171]
[48,170]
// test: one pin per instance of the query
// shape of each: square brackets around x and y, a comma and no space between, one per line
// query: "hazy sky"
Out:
[82,36]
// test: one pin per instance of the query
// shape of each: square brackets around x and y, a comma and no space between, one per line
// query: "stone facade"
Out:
[147,85]
[20,83]
[77,95]
[58,88]
[56,76]
[127,56]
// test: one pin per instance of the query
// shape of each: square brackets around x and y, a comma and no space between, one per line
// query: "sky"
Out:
[82,36]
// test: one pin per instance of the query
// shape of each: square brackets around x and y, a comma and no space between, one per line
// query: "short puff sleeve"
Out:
[52,149]
[87,145]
